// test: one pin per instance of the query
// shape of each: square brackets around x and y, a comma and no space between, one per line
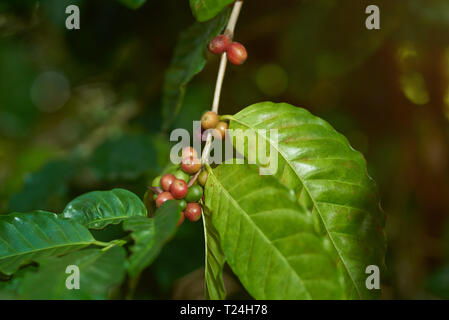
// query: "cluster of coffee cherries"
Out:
[210,121]
[177,186]
[235,51]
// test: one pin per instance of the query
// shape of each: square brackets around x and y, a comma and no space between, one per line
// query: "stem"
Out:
[221,72]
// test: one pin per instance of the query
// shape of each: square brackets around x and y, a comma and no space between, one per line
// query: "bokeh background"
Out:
[82,110]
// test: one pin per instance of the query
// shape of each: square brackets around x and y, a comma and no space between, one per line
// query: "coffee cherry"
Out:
[154,196]
[193,211]
[189,152]
[179,189]
[182,204]
[167,180]
[202,178]
[191,165]
[209,120]
[195,193]
[162,197]
[237,53]
[181,219]
[156,182]
[221,128]
[181,175]
[219,44]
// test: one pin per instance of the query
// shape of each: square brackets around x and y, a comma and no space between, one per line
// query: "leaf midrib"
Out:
[260,231]
[232,118]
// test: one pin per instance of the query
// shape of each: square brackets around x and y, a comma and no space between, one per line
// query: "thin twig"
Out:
[221,72]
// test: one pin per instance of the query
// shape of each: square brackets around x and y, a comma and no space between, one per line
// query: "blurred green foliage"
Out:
[386,90]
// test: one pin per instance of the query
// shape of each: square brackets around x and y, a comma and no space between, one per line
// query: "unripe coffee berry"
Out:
[195,193]
[179,189]
[156,182]
[193,212]
[237,53]
[209,120]
[191,165]
[162,197]
[182,204]
[166,181]
[202,178]
[179,174]
[219,44]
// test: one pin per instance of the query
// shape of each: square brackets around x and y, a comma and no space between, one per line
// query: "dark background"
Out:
[82,110]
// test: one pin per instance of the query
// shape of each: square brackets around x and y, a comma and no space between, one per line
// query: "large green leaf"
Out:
[27,237]
[330,179]
[189,59]
[204,10]
[98,209]
[268,239]
[99,271]
[150,235]
[214,261]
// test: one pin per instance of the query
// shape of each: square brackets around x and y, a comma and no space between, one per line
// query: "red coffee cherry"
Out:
[181,219]
[193,211]
[166,181]
[219,44]
[189,152]
[191,165]
[209,120]
[162,197]
[237,53]
[179,189]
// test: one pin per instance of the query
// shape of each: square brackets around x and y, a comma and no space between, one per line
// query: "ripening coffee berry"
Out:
[181,219]
[179,189]
[219,44]
[202,178]
[162,197]
[221,128]
[189,152]
[195,193]
[167,180]
[237,53]
[193,212]
[209,120]
[191,165]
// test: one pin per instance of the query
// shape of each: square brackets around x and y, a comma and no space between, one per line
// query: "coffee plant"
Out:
[308,231]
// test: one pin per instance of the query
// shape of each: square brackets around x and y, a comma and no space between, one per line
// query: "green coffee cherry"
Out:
[195,193]
[179,174]
[156,182]
[182,204]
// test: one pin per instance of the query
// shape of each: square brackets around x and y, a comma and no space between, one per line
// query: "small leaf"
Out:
[133,4]
[99,272]
[189,59]
[27,237]
[214,261]
[204,10]
[150,235]
[99,209]
[268,239]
